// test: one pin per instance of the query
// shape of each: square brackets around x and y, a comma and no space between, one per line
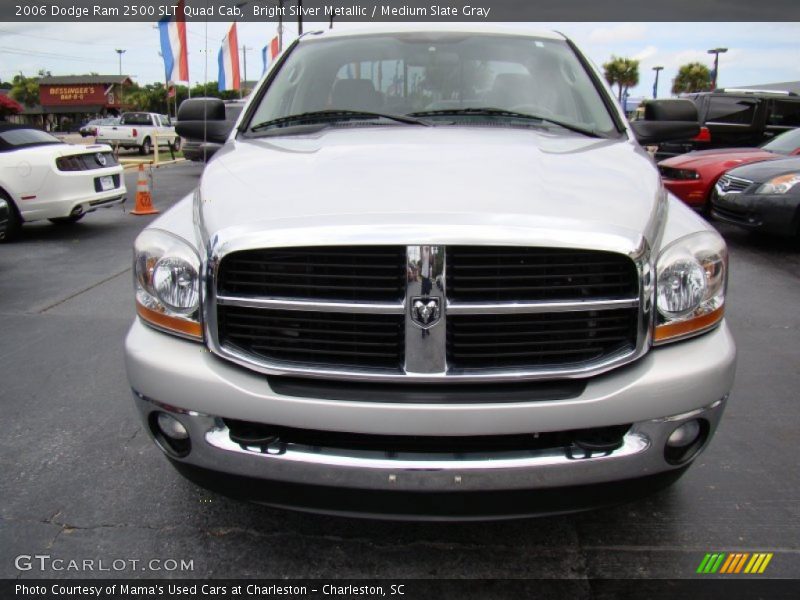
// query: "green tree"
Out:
[692,77]
[25,90]
[622,72]
[153,96]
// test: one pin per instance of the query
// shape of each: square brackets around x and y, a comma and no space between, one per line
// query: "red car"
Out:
[692,176]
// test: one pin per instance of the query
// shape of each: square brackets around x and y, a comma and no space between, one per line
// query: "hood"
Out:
[726,158]
[763,172]
[443,184]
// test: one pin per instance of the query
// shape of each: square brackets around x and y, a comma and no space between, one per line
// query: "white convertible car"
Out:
[41,177]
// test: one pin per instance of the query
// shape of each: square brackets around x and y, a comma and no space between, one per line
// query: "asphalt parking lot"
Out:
[79,478]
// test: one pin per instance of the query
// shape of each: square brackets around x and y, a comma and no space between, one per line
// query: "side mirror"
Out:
[667,120]
[203,119]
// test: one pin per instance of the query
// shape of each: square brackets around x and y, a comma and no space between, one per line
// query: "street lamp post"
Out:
[120,52]
[716,52]
[299,17]
[655,83]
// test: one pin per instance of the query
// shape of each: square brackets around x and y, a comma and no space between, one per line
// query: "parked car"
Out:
[201,151]
[472,297]
[89,128]
[764,197]
[691,177]
[734,118]
[139,130]
[43,178]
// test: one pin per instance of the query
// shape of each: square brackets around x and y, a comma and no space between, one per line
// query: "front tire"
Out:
[146,147]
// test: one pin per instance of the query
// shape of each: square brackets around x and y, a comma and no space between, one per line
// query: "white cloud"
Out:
[646,53]
[622,32]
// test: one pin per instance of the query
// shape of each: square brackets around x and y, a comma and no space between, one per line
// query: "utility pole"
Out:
[716,52]
[655,85]
[244,80]
[280,26]
[120,52]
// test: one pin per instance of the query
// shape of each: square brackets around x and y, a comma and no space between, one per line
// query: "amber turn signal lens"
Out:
[187,328]
[670,331]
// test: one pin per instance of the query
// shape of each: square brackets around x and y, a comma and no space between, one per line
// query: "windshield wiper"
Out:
[501,112]
[322,116]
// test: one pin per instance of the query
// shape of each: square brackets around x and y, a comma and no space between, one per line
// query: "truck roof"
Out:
[521,29]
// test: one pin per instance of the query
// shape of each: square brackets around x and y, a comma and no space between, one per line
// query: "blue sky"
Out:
[758,52]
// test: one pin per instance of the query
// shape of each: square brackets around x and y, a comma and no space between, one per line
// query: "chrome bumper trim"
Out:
[641,454]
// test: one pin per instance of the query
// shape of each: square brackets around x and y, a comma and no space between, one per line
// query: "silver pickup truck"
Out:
[431,274]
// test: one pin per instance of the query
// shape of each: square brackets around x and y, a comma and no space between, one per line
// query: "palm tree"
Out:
[692,77]
[623,72]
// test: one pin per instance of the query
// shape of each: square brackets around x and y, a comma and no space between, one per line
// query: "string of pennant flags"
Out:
[174,50]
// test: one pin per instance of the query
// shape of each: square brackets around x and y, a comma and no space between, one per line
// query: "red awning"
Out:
[9,105]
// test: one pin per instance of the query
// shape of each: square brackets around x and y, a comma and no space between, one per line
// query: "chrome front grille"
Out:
[429,313]
[728,184]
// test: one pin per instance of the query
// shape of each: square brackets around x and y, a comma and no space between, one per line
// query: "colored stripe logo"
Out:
[732,563]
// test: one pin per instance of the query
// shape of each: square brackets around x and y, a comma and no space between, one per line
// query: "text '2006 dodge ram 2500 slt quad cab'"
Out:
[431,273]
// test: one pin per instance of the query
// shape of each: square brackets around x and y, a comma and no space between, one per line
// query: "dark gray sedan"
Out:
[763,197]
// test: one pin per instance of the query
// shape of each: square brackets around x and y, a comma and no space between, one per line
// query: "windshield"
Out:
[785,143]
[15,138]
[441,73]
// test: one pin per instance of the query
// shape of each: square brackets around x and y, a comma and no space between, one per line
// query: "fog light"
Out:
[686,440]
[171,427]
[685,435]
[170,434]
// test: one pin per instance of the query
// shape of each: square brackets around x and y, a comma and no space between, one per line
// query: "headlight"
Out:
[679,174]
[780,184]
[692,274]
[167,281]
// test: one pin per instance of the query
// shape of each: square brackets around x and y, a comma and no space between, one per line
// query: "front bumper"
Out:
[670,385]
[777,213]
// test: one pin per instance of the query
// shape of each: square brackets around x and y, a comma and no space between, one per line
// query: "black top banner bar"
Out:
[401,10]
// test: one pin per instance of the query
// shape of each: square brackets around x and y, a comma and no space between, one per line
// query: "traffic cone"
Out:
[144,201]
